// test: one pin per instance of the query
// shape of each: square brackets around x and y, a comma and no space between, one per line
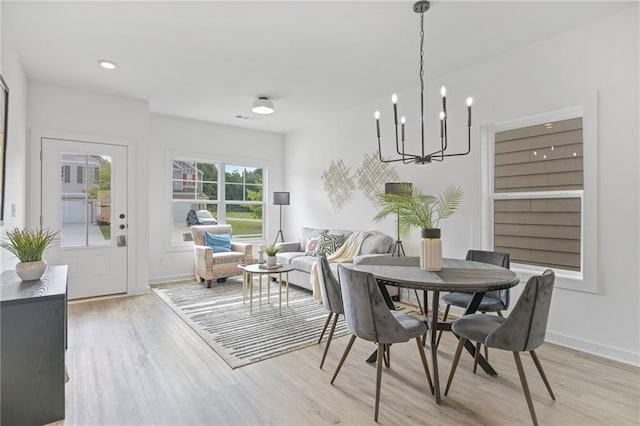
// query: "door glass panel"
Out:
[85,200]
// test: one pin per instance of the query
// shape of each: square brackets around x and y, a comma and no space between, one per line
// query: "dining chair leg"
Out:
[326,348]
[541,371]
[381,349]
[344,357]
[326,323]
[454,365]
[500,314]
[476,357]
[425,365]
[525,387]
[444,318]
[486,352]
[419,304]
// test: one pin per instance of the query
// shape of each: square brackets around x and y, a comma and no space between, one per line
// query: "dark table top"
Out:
[456,274]
[52,284]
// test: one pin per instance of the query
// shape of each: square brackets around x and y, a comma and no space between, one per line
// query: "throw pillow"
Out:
[312,245]
[329,243]
[220,243]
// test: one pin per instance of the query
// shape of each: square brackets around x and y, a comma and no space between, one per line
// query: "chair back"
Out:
[329,287]
[526,326]
[365,311]
[197,232]
[494,258]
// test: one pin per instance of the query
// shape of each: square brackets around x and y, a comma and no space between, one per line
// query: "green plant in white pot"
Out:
[417,210]
[271,251]
[29,246]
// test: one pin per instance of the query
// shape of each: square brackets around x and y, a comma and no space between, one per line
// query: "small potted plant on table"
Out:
[271,251]
[29,246]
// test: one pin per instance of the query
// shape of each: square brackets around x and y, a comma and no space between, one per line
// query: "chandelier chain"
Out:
[421,51]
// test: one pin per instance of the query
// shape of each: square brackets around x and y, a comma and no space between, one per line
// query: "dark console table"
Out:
[33,339]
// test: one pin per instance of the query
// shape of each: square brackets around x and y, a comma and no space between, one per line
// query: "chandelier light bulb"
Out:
[403,119]
[394,98]
[441,115]
[469,101]
[377,115]
[443,91]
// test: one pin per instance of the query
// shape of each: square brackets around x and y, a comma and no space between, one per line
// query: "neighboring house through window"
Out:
[538,194]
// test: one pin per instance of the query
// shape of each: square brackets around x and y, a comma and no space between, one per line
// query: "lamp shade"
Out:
[398,188]
[281,198]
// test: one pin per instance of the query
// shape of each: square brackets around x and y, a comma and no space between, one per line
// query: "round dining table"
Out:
[456,275]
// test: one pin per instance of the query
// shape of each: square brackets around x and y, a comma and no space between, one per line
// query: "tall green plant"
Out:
[28,245]
[419,210]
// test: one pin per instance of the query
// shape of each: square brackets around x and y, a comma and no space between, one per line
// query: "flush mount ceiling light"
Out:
[108,65]
[263,106]
[422,157]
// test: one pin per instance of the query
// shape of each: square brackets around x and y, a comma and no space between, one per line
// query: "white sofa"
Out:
[293,252]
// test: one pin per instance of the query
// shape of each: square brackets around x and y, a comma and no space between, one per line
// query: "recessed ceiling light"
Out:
[108,65]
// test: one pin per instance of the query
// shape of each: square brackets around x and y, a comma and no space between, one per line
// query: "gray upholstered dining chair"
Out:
[368,317]
[493,301]
[523,330]
[331,299]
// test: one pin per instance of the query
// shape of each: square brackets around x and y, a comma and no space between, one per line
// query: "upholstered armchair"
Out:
[211,266]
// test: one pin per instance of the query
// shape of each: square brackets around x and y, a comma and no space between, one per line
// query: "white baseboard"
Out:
[171,278]
[594,348]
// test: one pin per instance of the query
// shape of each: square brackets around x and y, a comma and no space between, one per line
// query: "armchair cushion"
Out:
[220,243]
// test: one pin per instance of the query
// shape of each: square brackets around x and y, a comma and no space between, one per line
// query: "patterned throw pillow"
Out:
[310,248]
[329,243]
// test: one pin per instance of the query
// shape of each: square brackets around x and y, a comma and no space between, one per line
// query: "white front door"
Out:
[84,196]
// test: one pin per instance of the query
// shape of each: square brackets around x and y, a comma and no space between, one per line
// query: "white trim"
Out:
[588,282]
[594,348]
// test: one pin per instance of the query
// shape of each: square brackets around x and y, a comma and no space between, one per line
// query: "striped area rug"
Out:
[219,316]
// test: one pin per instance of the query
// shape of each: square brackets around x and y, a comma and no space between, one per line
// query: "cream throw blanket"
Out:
[344,254]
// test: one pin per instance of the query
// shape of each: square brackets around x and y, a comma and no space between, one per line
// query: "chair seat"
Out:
[413,326]
[476,327]
[488,303]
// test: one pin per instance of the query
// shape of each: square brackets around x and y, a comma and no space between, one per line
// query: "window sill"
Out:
[567,280]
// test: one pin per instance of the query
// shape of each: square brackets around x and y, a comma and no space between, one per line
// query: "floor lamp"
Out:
[400,189]
[280,199]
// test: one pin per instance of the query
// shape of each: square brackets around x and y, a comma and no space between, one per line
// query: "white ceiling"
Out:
[209,60]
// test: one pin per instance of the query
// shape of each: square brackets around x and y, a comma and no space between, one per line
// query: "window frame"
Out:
[221,162]
[586,279]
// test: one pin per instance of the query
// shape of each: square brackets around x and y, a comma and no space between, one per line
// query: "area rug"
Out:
[219,316]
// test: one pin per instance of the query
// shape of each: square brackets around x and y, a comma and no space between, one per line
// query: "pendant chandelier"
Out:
[423,157]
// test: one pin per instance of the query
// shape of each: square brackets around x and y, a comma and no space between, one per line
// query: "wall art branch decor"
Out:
[338,183]
[373,174]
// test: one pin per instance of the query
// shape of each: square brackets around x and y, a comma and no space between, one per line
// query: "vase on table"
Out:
[271,260]
[431,250]
[29,271]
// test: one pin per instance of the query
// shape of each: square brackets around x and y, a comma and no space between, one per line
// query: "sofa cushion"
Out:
[287,257]
[303,263]
[306,233]
[344,232]
[311,246]
[220,243]
[376,243]
[329,243]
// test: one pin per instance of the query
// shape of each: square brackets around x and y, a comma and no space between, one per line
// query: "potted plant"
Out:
[271,251]
[417,210]
[28,246]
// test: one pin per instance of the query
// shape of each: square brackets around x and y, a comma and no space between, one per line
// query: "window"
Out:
[80,174]
[232,194]
[538,194]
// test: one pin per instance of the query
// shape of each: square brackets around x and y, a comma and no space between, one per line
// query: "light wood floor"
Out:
[133,361]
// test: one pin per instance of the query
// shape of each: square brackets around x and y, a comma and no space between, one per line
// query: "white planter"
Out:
[431,250]
[271,260]
[29,271]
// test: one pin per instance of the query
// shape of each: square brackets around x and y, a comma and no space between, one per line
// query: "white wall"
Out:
[63,109]
[564,71]
[172,136]
[16,161]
